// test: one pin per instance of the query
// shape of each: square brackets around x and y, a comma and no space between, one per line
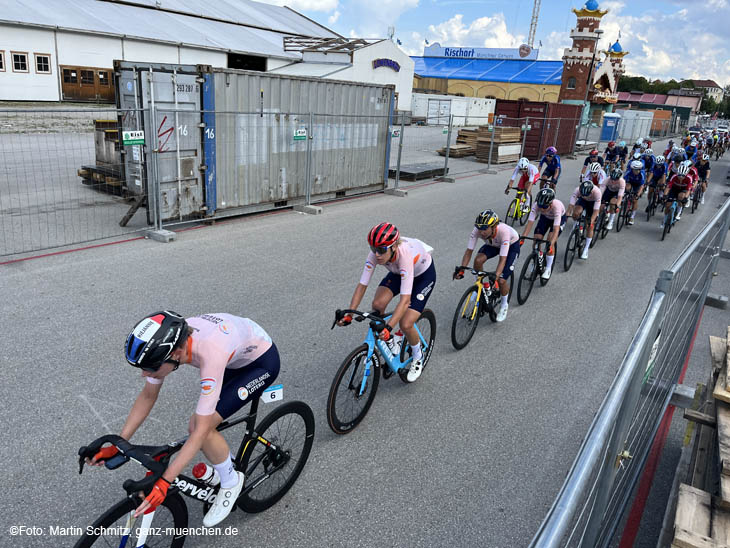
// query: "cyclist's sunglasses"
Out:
[481,227]
[549,154]
[379,250]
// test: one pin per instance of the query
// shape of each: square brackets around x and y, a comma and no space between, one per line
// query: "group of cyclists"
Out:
[238,360]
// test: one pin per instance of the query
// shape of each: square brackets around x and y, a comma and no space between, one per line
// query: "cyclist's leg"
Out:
[509,267]
[485,252]
[389,287]
[577,210]
[422,288]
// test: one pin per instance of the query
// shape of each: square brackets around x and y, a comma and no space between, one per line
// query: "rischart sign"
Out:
[386,63]
[523,52]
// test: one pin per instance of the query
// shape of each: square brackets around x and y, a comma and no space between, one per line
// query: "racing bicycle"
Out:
[356,381]
[669,218]
[624,214]
[576,241]
[533,268]
[272,454]
[481,298]
[697,195]
[519,208]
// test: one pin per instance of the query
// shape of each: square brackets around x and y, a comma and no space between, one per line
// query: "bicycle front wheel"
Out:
[346,405]
[427,327]
[570,250]
[527,278]
[466,318]
[290,427]
[667,223]
[110,528]
[512,212]
[621,216]
[524,216]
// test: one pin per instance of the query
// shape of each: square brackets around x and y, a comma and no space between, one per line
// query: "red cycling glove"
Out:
[158,493]
[385,334]
[105,453]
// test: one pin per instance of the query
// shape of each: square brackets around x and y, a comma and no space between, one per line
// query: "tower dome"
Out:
[616,48]
[592,5]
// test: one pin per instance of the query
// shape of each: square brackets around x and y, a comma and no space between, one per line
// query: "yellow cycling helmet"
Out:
[486,219]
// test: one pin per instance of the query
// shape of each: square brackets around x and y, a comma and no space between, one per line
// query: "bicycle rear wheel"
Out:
[695,199]
[524,216]
[290,427]
[346,407]
[570,250]
[527,278]
[427,326]
[171,514]
[466,318]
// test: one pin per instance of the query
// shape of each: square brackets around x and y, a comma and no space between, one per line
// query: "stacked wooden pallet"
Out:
[703,520]
[457,151]
[468,137]
[506,147]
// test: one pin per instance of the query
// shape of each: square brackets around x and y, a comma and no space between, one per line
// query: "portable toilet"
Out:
[609,130]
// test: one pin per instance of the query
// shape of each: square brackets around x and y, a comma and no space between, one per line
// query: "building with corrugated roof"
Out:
[51,51]
[487,72]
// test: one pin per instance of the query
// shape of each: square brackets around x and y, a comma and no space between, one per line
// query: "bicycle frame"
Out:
[481,290]
[392,361]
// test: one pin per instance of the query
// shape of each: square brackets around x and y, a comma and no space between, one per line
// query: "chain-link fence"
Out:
[61,179]
[599,485]
[592,135]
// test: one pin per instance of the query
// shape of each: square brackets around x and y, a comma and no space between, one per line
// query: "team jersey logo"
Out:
[224,329]
[242,393]
[207,386]
[403,274]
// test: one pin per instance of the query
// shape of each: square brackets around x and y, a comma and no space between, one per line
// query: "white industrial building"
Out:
[54,50]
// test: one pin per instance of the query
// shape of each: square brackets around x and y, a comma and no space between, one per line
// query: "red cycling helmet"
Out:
[383,235]
[612,143]
[593,152]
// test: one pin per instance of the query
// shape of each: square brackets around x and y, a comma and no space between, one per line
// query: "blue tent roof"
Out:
[491,70]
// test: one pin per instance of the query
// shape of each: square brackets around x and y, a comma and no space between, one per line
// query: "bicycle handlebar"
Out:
[129,451]
[490,275]
[376,321]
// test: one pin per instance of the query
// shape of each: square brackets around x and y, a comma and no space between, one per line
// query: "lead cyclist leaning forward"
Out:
[237,361]
[412,275]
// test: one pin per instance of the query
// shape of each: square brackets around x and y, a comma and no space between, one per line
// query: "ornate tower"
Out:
[578,59]
[606,77]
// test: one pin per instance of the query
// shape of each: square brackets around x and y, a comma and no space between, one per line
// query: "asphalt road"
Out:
[472,454]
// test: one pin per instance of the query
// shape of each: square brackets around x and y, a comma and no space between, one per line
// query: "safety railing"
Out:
[599,485]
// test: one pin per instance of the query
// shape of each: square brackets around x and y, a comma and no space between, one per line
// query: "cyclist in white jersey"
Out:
[412,275]
[237,361]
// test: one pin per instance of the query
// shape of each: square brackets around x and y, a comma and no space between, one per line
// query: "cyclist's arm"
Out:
[141,409]
[400,310]
[467,257]
[557,173]
[357,296]
[528,227]
[500,265]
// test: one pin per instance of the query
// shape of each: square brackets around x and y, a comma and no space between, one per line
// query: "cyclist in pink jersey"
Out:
[552,218]
[587,196]
[412,275]
[237,361]
[612,192]
[500,240]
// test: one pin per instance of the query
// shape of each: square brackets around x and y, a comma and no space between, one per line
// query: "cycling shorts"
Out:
[422,287]
[509,266]
[586,205]
[636,187]
[550,174]
[544,224]
[242,385]
[608,195]
[673,193]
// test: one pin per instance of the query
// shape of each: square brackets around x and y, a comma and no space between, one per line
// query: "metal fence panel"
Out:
[613,454]
[61,180]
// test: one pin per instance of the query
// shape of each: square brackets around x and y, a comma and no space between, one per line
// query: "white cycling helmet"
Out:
[683,169]
[659,160]
[523,163]
[636,164]
[649,151]
[705,157]
[637,155]
[595,167]
[639,142]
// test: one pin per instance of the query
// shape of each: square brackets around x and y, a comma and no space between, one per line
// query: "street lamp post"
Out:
[588,83]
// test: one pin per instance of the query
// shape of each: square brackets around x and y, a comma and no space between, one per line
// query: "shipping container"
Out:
[436,109]
[548,124]
[223,141]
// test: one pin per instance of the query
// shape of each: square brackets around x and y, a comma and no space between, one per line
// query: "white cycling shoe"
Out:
[415,370]
[546,273]
[609,226]
[584,255]
[502,314]
[224,502]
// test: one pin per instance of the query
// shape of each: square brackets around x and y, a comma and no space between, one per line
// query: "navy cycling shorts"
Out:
[609,195]
[550,174]
[422,287]
[242,385]
[586,205]
[544,224]
[493,251]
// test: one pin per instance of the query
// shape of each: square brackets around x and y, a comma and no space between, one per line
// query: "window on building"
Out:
[43,63]
[246,62]
[20,61]
[69,76]
[103,78]
[2,60]
[571,83]
[87,77]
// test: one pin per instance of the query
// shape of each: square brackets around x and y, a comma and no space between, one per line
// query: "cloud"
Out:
[373,17]
[332,19]
[487,32]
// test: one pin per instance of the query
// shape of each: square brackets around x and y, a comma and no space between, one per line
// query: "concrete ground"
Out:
[472,454]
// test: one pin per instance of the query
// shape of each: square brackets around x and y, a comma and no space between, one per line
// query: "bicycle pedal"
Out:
[387,372]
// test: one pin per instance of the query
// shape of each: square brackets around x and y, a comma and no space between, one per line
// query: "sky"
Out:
[666,38]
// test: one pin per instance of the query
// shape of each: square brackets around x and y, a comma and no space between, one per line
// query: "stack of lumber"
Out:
[457,151]
[468,137]
[703,520]
[506,146]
